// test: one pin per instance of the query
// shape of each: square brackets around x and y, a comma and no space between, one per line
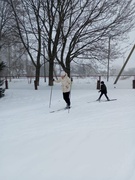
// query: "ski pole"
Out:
[50,97]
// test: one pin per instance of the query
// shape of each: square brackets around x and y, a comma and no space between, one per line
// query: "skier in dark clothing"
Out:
[103,90]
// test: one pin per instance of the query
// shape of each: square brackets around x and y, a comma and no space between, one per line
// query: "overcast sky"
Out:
[128,46]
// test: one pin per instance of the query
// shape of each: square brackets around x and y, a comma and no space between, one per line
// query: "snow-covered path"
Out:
[92,141]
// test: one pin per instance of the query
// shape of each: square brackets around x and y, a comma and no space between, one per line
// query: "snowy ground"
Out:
[93,141]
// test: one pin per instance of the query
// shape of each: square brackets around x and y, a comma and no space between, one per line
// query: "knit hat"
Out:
[63,73]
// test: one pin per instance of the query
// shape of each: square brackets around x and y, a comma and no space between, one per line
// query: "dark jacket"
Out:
[103,89]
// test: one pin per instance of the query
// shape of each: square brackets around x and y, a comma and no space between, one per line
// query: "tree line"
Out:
[65,32]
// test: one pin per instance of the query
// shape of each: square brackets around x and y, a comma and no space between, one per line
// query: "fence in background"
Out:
[126,80]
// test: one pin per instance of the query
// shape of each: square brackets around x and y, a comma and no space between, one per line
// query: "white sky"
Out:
[129,45]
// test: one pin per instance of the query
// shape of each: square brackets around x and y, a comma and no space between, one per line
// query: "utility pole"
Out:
[108,64]
[125,64]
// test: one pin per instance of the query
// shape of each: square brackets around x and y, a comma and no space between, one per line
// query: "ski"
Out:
[59,110]
[109,100]
[102,100]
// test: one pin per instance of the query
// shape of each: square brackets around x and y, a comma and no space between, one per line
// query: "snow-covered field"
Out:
[93,141]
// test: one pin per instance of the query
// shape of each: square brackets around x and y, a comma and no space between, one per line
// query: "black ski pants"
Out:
[66,97]
[102,95]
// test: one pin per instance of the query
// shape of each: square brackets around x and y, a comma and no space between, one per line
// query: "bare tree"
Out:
[52,30]
[26,14]
[97,20]
[6,25]
[75,28]
[71,29]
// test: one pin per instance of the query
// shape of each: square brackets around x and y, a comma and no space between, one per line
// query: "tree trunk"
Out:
[68,67]
[51,66]
[37,76]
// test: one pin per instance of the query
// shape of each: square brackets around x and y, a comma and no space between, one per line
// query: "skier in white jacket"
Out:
[66,87]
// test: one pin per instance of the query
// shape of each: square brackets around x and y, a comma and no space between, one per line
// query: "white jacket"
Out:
[65,83]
